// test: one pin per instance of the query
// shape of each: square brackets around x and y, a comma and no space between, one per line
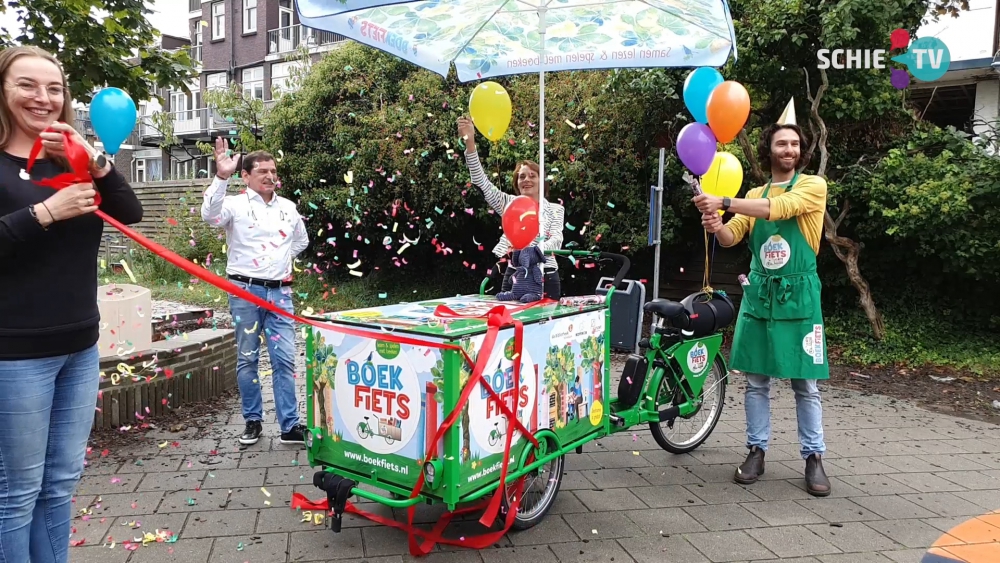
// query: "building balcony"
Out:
[192,123]
[286,40]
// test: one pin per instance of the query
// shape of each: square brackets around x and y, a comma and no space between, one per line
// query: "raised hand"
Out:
[467,130]
[225,165]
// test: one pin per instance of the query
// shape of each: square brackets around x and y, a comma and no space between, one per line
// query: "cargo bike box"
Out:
[374,405]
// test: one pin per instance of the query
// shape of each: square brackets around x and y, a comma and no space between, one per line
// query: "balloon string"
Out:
[708,267]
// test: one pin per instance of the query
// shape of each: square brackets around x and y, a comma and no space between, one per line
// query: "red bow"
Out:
[79,162]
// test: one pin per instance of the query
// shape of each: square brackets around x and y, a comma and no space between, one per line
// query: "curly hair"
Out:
[764,147]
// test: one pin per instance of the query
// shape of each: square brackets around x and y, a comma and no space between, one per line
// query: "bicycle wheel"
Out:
[540,489]
[363,430]
[683,434]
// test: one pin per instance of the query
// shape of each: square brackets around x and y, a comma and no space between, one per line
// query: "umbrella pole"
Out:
[658,231]
[542,184]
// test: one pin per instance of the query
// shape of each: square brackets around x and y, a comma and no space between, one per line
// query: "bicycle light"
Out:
[309,438]
[432,469]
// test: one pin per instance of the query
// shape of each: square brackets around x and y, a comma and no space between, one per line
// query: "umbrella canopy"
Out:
[489,38]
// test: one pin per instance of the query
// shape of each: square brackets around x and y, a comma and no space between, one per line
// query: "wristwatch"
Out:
[98,162]
[726,202]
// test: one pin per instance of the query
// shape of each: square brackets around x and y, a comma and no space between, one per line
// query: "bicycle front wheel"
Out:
[683,434]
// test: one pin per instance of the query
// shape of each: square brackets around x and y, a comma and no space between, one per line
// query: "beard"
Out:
[780,165]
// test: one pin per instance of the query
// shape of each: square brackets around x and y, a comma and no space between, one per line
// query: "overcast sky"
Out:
[169,17]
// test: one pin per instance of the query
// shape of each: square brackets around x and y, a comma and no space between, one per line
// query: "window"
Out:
[253,83]
[249,16]
[215,81]
[154,167]
[179,105]
[184,170]
[218,20]
[194,5]
[140,171]
[281,77]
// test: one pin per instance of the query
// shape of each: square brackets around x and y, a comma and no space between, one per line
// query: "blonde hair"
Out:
[7,58]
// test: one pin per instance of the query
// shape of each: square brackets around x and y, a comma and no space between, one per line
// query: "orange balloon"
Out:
[728,110]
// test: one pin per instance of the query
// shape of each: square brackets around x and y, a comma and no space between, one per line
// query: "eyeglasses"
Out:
[34,90]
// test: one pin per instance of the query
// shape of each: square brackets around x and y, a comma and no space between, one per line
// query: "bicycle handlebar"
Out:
[626,264]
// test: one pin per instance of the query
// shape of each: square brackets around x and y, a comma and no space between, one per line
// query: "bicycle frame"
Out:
[665,346]
[661,357]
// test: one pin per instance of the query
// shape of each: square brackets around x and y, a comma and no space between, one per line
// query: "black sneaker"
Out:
[297,435]
[252,433]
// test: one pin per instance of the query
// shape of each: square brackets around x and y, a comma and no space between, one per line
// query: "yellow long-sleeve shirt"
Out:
[806,201]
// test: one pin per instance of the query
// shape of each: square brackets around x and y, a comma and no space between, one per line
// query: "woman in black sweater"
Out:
[49,320]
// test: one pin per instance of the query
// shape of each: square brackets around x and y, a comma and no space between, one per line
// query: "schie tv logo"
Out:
[927,59]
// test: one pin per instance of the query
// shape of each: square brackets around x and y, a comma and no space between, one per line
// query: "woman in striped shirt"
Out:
[526,183]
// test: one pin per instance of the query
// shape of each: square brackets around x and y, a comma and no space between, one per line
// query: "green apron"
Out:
[779,332]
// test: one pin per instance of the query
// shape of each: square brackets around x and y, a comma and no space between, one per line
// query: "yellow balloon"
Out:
[490,108]
[724,177]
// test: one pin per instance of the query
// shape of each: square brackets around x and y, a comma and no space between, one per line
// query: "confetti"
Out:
[128,271]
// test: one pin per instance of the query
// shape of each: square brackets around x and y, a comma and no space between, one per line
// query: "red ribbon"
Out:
[496,318]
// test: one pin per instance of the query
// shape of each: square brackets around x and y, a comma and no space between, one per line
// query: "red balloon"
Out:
[520,221]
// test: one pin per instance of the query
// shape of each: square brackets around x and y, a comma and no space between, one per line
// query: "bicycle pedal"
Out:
[617,420]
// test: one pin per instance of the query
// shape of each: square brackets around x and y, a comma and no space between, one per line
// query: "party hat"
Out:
[788,116]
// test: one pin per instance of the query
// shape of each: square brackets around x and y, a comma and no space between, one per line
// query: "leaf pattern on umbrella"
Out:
[485,38]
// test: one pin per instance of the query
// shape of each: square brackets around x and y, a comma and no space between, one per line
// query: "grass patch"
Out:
[914,337]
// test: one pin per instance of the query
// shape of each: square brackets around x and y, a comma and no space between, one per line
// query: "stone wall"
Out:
[190,368]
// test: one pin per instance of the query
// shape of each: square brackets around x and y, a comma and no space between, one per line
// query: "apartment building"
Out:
[968,95]
[248,42]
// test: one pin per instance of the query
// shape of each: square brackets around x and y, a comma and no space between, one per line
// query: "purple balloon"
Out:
[696,147]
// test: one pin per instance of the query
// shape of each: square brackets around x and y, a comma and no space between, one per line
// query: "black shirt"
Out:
[48,278]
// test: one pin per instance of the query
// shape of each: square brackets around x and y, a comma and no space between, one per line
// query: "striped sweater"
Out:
[553,220]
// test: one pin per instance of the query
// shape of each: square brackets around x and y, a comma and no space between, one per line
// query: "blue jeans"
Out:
[46,414]
[278,332]
[808,411]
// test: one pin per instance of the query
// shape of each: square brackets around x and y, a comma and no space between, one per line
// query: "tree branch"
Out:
[756,173]
[820,140]
[843,213]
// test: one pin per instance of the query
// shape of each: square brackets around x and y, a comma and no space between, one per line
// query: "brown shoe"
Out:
[752,468]
[816,482]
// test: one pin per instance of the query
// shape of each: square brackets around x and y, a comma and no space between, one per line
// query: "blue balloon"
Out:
[697,88]
[113,115]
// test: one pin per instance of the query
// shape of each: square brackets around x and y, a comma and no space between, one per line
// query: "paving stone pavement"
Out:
[902,476]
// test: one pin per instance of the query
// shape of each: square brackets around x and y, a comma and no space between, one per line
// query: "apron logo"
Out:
[698,358]
[775,252]
[812,344]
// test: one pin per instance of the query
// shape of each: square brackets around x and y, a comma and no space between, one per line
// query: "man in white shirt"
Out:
[264,233]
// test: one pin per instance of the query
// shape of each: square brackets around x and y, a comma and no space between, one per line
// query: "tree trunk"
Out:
[466,436]
[320,390]
[846,249]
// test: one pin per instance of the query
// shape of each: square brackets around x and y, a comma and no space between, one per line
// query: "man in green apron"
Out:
[779,332]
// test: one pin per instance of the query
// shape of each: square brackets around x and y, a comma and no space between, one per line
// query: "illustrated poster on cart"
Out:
[376,400]
[560,388]
[382,402]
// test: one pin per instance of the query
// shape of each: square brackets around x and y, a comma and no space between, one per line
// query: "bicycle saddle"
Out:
[664,307]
